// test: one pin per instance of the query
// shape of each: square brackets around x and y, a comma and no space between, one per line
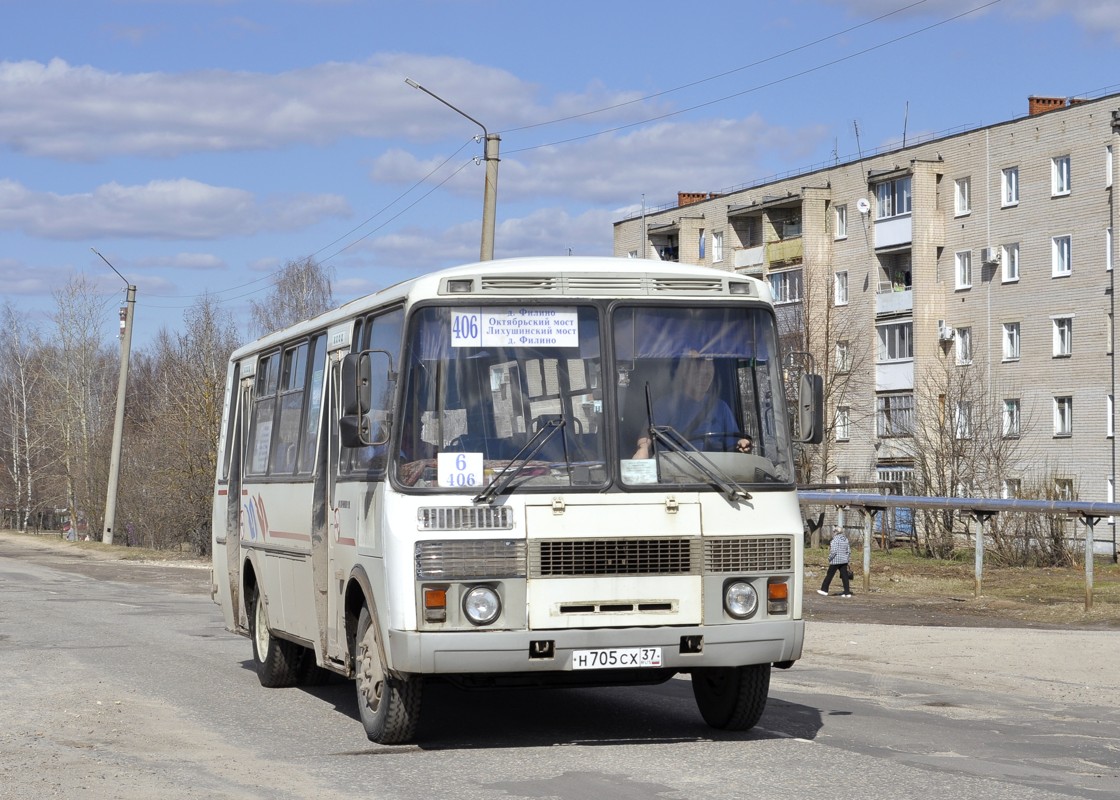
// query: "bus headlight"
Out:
[481,605]
[740,599]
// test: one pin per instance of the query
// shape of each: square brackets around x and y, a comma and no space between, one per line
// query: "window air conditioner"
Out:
[990,255]
[945,332]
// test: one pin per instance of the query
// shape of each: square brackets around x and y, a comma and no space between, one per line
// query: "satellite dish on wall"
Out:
[862,206]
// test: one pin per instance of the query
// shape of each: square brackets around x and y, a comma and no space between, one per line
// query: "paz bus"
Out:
[549,471]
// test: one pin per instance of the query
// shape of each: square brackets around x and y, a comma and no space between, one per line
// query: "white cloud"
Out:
[161,209]
[83,113]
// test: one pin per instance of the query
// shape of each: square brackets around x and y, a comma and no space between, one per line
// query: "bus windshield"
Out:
[483,384]
[700,388]
[517,393]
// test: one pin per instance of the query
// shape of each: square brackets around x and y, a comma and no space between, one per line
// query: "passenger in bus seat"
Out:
[695,411]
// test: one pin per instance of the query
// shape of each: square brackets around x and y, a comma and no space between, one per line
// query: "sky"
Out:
[200,145]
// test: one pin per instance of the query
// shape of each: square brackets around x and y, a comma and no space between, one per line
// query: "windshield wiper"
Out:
[673,440]
[500,482]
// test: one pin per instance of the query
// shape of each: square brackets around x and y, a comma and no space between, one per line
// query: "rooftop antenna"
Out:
[855,124]
[905,121]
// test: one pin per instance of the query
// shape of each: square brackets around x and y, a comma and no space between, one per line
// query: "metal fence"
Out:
[981,509]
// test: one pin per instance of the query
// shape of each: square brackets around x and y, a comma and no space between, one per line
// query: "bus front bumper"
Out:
[481,651]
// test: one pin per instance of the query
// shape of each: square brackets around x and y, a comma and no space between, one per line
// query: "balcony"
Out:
[894,376]
[750,259]
[894,231]
[891,300]
[784,253]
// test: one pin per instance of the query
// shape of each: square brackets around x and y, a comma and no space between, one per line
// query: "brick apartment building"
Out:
[978,262]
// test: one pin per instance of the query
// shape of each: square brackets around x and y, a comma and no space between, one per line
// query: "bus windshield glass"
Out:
[503,388]
[700,388]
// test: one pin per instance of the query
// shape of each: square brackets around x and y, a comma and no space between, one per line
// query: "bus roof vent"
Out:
[520,284]
[605,284]
[688,285]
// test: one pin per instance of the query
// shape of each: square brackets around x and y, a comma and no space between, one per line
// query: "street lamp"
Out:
[118,422]
[490,193]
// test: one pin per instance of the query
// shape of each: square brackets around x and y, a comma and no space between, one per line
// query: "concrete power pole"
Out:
[118,422]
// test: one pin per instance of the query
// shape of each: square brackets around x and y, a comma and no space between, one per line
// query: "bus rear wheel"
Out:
[731,698]
[277,660]
[389,706]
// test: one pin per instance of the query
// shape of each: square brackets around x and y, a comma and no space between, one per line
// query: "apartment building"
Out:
[979,262]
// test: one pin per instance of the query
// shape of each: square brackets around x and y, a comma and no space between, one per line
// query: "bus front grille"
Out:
[458,560]
[567,558]
[762,554]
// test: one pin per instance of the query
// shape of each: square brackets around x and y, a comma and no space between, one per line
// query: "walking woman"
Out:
[839,556]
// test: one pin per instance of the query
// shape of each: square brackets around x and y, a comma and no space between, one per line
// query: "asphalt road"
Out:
[120,682]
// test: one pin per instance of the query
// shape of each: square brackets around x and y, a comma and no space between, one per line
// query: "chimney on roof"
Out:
[1040,105]
[688,198]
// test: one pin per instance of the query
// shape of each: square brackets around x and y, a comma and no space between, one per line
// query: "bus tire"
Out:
[277,660]
[731,698]
[388,706]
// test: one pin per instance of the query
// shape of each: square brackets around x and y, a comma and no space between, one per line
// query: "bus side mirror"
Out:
[367,383]
[355,384]
[810,409]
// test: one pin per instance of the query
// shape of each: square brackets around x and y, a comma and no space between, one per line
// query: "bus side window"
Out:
[380,332]
[264,410]
[309,439]
[293,381]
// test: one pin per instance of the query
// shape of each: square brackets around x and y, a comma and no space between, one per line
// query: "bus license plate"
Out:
[617,658]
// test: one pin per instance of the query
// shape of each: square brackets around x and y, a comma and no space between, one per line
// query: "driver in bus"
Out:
[695,411]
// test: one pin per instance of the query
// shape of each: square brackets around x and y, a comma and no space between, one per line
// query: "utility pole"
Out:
[118,422]
[1113,263]
[490,191]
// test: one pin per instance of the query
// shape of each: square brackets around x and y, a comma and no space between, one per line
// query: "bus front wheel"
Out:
[277,660]
[731,698]
[389,706]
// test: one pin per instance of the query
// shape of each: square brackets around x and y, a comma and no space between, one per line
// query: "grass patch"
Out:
[1046,595]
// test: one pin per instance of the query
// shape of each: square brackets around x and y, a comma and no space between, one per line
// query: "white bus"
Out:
[572,471]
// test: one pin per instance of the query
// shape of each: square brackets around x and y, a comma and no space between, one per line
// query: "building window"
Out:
[1063,336]
[963,421]
[1063,488]
[1108,333]
[894,415]
[1011,488]
[1009,187]
[964,346]
[700,247]
[1011,341]
[892,198]
[1108,416]
[896,341]
[1059,176]
[1108,249]
[841,222]
[786,286]
[962,202]
[717,246]
[964,269]
[1063,416]
[840,285]
[1009,258]
[1061,256]
[632,254]
[843,423]
[843,356]
[1107,165]
[1011,417]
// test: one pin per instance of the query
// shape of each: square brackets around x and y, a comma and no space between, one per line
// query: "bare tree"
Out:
[79,390]
[23,446]
[171,467]
[300,290]
[962,444]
